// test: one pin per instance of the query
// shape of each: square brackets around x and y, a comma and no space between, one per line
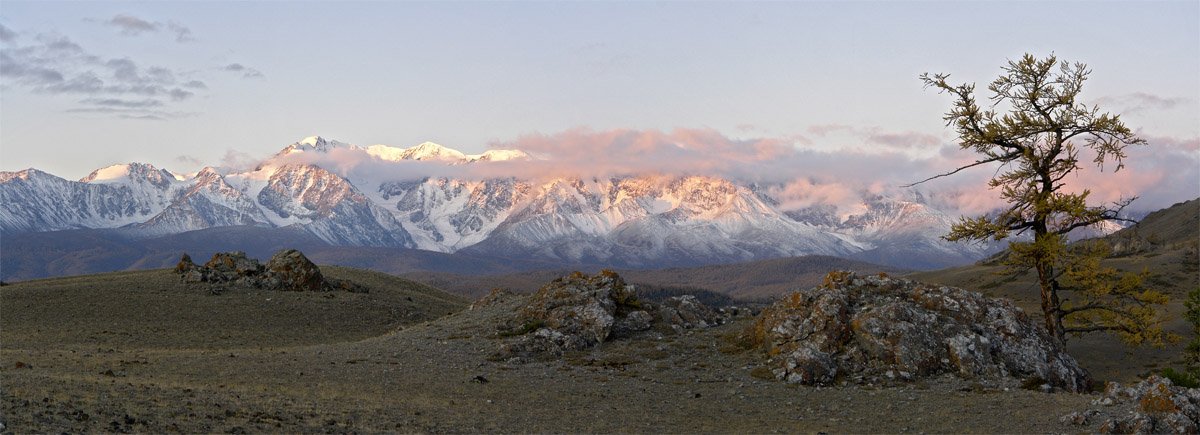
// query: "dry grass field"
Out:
[142,352]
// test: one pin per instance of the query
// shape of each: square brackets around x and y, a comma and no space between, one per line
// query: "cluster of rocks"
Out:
[580,311]
[287,270]
[1158,407]
[876,329]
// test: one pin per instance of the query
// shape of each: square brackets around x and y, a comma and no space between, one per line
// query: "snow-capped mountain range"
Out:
[638,221]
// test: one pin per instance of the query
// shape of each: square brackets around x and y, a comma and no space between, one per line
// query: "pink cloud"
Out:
[802,192]
[586,153]
[1189,144]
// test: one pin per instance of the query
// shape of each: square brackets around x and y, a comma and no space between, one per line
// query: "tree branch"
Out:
[1091,222]
[1097,306]
[1095,328]
[1000,158]
[1106,215]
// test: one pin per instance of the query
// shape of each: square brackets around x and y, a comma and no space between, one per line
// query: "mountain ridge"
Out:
[348,195]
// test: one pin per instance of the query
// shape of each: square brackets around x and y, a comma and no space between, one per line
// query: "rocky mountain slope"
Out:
[434,198]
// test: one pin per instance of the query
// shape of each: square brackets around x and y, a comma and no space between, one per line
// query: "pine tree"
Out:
[1034,130]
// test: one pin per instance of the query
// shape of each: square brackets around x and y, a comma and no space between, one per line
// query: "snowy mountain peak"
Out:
[207,171]
[432,151]
[23,174]
[312,143]
[425,151]
[130,173]
[207,175]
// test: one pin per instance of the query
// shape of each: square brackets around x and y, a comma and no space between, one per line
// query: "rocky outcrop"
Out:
[580,311]
[687,312]
[1158,407]
[287,270]
[869,329]
[295,272]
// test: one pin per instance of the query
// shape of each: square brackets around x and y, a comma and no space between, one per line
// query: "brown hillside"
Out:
[755,280]
[155,309]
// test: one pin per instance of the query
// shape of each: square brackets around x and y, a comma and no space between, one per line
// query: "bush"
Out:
[1181,378]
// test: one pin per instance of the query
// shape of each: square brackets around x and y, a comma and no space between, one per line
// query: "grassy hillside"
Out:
[155,310]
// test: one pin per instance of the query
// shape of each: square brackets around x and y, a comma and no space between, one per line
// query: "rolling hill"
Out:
[755,280]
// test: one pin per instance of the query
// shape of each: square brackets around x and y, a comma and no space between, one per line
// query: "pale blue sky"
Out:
[467,74]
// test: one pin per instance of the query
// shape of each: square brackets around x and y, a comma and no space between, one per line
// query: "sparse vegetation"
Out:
[1192,315]
[1181,378]
[527,327]
[763,373]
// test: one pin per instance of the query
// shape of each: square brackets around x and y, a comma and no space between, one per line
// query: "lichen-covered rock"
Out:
[230,266]
[687,312]
[1160,407]
[809,366]
[578,311]
[185,264]
[292,271]
[871,328]
[1079,418]
[580,305]
[572,313]
[288,270]
[635,322]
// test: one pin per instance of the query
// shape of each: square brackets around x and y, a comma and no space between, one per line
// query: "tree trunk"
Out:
[1045,269]
[1050,303]
[1045,264]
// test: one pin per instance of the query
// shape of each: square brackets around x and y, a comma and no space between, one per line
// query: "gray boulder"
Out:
[229,266]
[687,312]
[632,323]
[876,328]
[572,313]
[578,311]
